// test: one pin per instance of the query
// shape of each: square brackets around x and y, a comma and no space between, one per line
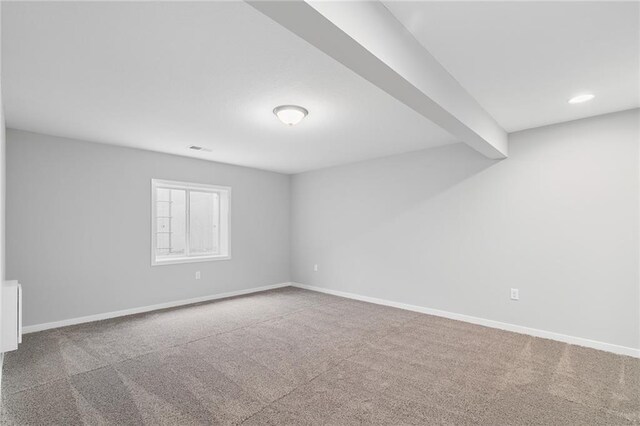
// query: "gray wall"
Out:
[78,227]
[2,193]
[448,229]
[2,210]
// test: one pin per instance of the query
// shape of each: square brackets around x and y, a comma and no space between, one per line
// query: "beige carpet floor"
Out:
[291,356]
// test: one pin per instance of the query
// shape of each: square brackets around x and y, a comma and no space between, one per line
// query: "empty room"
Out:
[320,213]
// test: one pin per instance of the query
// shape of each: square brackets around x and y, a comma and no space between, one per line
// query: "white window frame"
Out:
[224,194]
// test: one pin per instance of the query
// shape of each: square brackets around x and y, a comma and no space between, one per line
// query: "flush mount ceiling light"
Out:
[290,114]
[581,98]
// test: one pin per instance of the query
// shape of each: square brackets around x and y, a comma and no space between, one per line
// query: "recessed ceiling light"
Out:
[581,98]
[290,114]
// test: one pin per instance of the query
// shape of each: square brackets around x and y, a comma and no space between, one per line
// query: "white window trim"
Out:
[225,212]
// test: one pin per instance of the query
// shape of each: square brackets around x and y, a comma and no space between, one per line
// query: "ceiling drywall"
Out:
[522,61]
[163,76]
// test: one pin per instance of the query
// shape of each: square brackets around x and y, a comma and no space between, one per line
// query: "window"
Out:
[190,222]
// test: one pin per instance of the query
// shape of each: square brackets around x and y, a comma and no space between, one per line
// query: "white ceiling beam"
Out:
[366,37]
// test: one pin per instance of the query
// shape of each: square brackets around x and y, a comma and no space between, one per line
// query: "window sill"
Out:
[190,259]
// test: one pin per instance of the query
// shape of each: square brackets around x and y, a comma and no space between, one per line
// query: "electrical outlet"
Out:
[197,275]
[315,268]
[515,294]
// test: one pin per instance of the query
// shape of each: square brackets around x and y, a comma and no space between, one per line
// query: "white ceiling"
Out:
[522,61]
[163,76]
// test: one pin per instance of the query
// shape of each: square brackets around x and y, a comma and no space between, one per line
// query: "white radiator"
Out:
[11,316]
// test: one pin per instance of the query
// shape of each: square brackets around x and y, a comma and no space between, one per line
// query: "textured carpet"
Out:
[291,356]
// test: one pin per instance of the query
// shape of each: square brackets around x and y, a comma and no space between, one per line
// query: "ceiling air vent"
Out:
[199,148]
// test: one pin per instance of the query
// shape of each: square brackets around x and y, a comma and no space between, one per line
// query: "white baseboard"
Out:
[609,347]
[124,312]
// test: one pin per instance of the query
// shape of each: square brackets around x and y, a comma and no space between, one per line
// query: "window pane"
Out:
[170,222]
[204,223]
